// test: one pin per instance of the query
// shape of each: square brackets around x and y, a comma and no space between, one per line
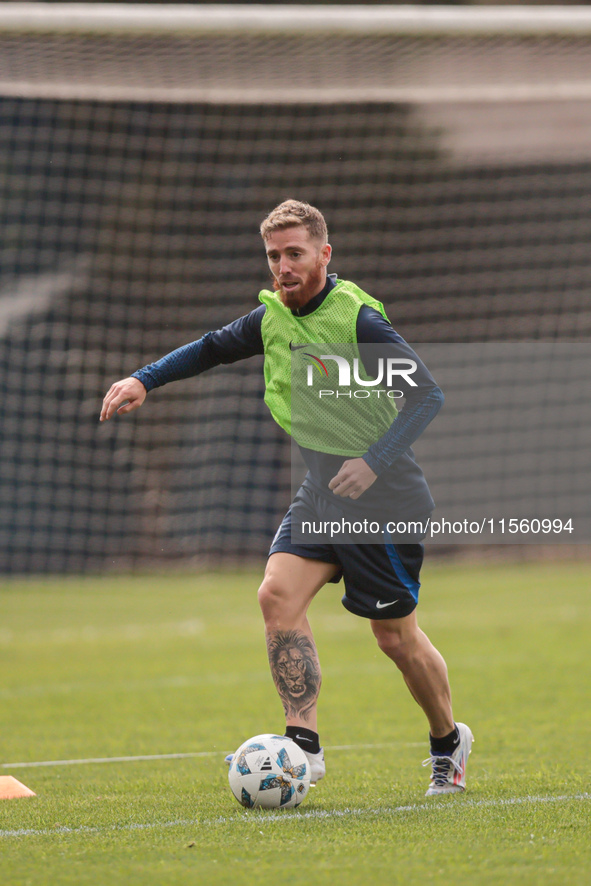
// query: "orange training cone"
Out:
[10,788]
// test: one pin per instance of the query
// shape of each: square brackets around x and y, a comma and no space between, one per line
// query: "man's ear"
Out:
[325,254]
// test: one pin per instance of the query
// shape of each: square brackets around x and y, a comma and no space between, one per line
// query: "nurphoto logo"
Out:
[388,369]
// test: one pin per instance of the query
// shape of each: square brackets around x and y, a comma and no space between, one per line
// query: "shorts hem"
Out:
[281,549]
[376,616]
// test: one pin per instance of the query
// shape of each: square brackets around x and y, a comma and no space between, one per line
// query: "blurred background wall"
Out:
[454,169]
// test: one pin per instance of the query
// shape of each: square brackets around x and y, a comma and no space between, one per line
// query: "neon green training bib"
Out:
[299,382]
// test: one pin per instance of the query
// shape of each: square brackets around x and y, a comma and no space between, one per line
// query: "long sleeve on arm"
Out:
[422,402]
[407,427]
[240,339]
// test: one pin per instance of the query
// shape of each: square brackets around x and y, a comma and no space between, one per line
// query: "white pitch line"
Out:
[260,817]
[148,757]
[142,757]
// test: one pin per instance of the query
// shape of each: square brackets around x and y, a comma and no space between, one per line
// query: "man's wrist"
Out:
[148,381]
[372,463]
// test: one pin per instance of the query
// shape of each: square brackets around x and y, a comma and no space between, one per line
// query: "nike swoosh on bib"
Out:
[380,605]
[293,347]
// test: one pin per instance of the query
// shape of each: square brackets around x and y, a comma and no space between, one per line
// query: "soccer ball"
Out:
[269,771]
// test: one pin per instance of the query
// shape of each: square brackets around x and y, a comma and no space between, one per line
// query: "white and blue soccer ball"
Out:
[269,771]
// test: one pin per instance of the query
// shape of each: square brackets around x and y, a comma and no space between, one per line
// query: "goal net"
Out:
[140,147]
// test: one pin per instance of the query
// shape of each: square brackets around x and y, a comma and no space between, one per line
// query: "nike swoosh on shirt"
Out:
[380,605]
[293,347]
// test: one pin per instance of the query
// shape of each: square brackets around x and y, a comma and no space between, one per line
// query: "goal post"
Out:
[250,53]
[140,147]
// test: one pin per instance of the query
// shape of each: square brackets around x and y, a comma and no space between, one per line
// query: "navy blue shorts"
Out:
[381,580]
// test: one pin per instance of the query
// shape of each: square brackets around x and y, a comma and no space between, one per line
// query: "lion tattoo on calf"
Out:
[293,664]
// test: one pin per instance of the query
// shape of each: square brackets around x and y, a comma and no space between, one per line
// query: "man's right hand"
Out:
[124,396]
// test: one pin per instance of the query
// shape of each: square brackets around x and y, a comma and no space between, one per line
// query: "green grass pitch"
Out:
[127,666]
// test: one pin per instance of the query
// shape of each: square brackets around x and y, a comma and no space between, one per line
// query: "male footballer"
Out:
[371,467]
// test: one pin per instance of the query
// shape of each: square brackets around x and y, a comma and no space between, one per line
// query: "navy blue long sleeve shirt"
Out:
[400,483]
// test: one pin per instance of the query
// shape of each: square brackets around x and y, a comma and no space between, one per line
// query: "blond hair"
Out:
[293,214]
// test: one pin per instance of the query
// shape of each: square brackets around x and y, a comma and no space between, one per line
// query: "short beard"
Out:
[293,301]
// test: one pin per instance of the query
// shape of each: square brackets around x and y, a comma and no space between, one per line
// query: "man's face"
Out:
[298,264]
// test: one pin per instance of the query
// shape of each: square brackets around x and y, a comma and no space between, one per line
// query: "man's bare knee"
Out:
[273,596]
[392,645]
[396,640]
[289,586]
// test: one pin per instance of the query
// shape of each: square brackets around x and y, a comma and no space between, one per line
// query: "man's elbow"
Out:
[438,397]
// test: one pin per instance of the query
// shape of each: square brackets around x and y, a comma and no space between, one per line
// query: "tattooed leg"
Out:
[289,586]
[296,672]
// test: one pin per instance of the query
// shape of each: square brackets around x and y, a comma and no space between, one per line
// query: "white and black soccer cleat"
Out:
[317,767]
[448,774]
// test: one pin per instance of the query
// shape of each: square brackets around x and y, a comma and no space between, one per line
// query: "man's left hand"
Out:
[354,477]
